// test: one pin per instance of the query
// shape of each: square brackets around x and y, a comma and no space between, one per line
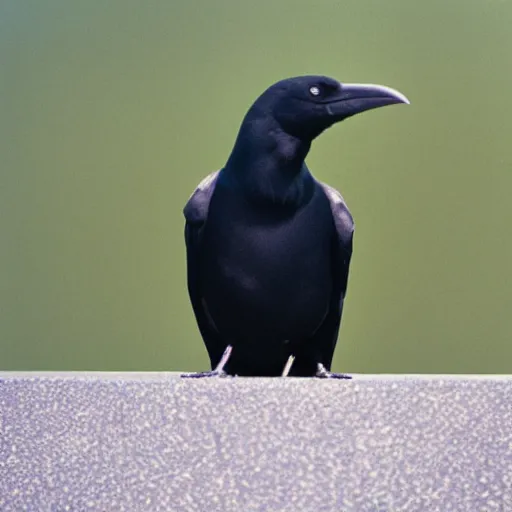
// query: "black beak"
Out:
[356,98]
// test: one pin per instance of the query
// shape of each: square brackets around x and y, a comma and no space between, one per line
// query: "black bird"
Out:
[269,246]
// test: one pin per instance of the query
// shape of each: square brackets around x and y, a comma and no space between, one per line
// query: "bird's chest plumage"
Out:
[269,266]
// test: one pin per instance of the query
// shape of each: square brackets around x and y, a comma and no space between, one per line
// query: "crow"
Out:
[268,246]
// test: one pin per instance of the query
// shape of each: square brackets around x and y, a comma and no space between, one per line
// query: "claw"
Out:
[218,371]
[323,373]
[288,366]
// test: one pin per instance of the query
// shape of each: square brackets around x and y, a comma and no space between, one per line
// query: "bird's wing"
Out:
[344,225]
[327,334]
[196,215]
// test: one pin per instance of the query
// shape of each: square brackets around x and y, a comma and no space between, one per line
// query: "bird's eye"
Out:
[314,91]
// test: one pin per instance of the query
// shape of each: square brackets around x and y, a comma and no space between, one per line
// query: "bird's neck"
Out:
[268,164]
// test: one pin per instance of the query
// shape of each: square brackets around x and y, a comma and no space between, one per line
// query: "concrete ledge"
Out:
[155,442]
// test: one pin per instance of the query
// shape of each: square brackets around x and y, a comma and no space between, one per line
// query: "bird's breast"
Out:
[275,272]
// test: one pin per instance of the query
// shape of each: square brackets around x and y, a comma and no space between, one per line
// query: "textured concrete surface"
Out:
[155,442]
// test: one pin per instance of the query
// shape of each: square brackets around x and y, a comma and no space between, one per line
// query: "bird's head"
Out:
[305,106]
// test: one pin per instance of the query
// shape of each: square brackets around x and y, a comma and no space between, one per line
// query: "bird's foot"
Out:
[218,371]
[323,373]
[199,375]
[288,366]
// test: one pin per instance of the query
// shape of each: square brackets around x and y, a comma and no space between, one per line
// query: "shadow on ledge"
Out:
[154,442]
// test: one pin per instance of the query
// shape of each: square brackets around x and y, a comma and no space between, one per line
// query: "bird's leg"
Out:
[323,373]
[288,366]
[218,371]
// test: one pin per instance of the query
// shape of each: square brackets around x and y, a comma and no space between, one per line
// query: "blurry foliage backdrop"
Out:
[111,112]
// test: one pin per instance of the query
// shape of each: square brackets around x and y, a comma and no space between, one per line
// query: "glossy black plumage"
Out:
[269,246]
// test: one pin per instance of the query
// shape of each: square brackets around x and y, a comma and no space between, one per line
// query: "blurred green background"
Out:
[111,113]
